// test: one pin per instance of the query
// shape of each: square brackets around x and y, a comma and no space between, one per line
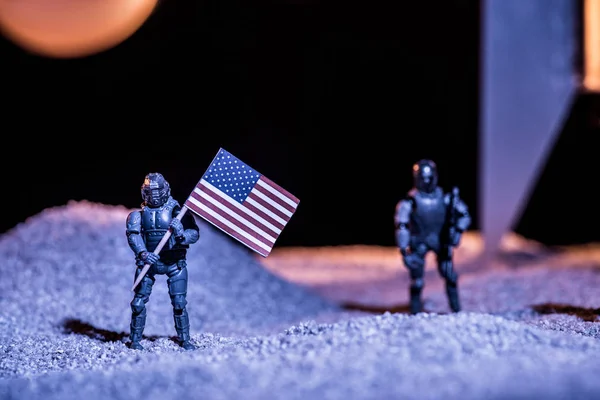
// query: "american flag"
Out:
[242,202]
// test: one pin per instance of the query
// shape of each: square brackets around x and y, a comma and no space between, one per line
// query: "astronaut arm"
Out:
[191,232]
[464,218]
[401,221]
[134,232]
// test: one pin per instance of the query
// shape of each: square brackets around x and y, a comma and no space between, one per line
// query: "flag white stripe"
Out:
[276,217]
[240,207]
[225,222]
[277,193]
[237,217]
[225,229]
[269,201]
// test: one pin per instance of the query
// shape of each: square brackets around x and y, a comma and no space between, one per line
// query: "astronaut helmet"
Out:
[425,176]
[155,190]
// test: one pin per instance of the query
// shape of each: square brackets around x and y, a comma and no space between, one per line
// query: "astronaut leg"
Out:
[417,270]
[415,262]
[178,291]
[446,269]
[138,309]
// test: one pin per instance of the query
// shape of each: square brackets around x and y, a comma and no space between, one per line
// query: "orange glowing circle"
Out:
[72,28]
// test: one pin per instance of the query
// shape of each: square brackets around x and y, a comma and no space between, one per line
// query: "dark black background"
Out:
[334,101]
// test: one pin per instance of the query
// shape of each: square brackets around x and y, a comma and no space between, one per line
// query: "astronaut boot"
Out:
[452,292]
[138,322]
[416,304]
[182,326]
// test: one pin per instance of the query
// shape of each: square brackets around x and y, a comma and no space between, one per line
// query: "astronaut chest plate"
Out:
[429,213]
[156,219]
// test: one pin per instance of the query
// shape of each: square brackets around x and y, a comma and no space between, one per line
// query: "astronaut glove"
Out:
[177,228]
[149,257]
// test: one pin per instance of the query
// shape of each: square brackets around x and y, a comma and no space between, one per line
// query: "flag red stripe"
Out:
[267,217]
[227,229]
[238,211]
[234,221]
[273,197]
[280,189]
[268,206]
[250,207]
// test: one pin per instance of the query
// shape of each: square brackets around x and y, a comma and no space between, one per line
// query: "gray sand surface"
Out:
[276,328]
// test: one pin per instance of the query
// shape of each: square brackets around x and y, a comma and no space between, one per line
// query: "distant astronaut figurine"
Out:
[430,220]
[145,229]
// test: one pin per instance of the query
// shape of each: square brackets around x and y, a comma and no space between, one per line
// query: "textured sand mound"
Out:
[468,356]
[529,329]
[73,263]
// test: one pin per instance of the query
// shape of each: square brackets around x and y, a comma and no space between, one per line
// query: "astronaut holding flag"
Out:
[232,196]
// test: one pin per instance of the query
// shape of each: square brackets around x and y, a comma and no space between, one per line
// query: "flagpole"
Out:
[159,247]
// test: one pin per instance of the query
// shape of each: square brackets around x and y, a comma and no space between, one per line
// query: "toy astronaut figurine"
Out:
[430,220]
[145,229]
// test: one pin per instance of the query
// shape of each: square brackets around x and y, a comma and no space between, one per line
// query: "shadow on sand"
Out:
[520,258]
[395,309]
[78,327]
[586,314]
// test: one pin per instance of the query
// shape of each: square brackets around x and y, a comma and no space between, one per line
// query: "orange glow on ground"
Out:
[71,28]
[375,276]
